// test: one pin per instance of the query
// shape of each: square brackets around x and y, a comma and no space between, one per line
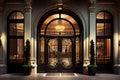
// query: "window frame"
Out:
[105,37]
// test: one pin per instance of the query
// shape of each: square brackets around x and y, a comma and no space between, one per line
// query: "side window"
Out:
[15,37]
[104,37]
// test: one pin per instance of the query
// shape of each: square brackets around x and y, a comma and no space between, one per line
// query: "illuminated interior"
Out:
[68,30]
[60,27]
[16,15]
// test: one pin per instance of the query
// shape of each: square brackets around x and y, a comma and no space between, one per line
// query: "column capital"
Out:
[28,9]
[92,5]
[28,4]
[60,1]
[92,2]
[92,9]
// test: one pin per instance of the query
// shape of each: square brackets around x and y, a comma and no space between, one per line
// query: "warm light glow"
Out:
[0,40]
[60,27]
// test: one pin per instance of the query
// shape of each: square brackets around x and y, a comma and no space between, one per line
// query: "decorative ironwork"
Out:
[57,57]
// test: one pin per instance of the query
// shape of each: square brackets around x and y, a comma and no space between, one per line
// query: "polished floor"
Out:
[59,76]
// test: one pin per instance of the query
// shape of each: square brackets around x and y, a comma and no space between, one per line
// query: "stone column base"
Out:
[34,67]
[117,68]
[85,70]
[85,66]
[34,70]
[3,68]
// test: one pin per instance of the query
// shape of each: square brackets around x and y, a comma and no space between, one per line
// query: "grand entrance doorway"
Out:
[59,43]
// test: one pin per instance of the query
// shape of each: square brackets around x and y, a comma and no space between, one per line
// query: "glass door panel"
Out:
[59,53]
[53,53]
[66,53]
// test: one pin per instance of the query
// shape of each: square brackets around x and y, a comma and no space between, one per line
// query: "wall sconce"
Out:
[0,40]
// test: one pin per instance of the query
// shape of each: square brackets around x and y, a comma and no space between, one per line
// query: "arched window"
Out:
[104,32]
[15,42]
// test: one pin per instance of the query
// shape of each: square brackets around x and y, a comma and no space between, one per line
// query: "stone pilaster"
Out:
[92,31]
[119,38]
[28,10]
[92,20]
[3,66]
[28,34]
[117,52]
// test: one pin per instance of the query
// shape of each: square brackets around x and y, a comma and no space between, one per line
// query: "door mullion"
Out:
[59,44]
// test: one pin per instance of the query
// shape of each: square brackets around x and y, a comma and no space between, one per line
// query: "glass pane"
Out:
[41,51]
[100,47]
[42,30]
[53,53]
[16,29]
[100,29]
[108,48]
[72,20]
[103,50]
[103,15]
[16,50]
[16,15]
[66,53]
[100,15]
[60,27]
[108,29]
[78,51]
[107,16]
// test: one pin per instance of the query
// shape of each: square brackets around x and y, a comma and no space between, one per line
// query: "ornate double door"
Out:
[60,55]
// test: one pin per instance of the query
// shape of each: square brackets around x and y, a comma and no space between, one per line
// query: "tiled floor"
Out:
[59,76]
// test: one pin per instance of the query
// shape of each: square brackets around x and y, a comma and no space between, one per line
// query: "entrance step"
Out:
[60,75]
